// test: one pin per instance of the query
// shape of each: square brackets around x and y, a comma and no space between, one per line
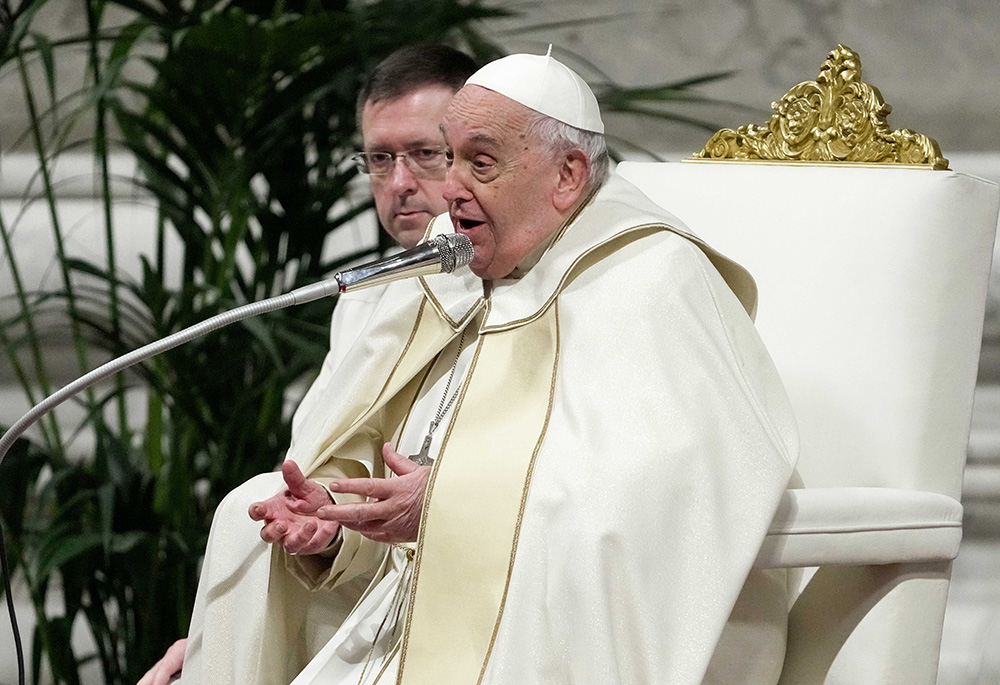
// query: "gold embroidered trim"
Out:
[457,325]
[402,355]
[386,664]
[428,493]
[838,118]
[506,326]
[524,500]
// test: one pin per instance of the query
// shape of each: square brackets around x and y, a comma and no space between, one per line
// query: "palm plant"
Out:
[241,116]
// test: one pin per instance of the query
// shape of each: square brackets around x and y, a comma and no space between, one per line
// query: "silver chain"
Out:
[442,407]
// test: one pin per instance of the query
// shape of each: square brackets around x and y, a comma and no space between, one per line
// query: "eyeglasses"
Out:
[418,160]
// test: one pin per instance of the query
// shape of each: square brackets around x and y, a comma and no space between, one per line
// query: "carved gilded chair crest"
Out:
[838,118]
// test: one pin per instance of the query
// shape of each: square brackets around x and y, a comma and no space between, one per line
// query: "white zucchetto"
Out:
[545,85]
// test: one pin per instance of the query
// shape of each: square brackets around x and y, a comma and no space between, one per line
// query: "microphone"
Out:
[441,254]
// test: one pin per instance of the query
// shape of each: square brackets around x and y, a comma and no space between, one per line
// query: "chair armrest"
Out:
[861,526]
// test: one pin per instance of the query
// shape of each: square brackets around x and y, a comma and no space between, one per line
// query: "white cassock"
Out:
[612,462]
[224,634]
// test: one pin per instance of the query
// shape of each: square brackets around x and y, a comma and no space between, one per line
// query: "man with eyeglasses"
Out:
[400,108]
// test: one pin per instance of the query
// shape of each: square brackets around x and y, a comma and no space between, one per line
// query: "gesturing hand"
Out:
[394,513]
[164,670]
[290,516]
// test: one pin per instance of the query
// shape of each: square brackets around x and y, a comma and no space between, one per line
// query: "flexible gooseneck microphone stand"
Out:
[441,254]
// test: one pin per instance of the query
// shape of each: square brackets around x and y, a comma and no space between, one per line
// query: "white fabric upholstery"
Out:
[872,291]
[818,526]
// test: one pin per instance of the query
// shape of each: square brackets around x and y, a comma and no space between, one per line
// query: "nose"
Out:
[401,179]
[454,188]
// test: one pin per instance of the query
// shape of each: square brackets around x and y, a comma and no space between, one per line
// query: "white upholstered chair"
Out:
[872,287]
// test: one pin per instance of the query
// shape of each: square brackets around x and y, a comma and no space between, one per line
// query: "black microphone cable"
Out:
[10,608]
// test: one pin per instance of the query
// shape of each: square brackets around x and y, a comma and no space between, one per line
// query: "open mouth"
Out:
[469,224]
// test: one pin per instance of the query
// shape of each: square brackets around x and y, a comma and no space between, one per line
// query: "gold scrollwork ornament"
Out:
[837,118]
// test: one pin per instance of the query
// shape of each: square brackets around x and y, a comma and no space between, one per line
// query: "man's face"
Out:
[405,200]
[500,184]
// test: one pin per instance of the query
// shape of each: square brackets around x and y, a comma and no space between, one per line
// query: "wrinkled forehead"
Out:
[477,113]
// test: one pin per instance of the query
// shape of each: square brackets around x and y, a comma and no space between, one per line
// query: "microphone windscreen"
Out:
[455,249]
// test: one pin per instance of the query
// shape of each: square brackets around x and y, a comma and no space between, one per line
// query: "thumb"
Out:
[297,484]
[396,462]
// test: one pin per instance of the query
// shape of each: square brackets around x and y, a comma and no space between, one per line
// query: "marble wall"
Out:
[933,60]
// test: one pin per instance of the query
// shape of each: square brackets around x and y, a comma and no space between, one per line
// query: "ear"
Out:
[572,182]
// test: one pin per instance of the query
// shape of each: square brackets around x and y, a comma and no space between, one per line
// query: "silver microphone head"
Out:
[441,254]
[455,250]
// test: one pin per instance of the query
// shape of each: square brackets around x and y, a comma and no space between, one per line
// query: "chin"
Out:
[408,236]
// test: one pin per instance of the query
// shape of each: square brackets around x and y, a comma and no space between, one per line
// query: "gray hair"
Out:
[560,137]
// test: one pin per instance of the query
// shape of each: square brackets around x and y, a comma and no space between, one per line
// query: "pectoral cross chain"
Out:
[423,457]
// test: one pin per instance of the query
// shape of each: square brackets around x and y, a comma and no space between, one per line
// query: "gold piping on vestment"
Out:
[562,280]
[385,665]
[456,325]
[402,355]
[428,493]
[836,119]
[387,658]
[326,452]
[524,501]
[413,401]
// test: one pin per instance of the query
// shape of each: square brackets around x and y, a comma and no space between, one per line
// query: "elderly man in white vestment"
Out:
[597,440]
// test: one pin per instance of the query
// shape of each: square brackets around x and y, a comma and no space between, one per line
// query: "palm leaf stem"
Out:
[101,151]
[78,342]
[50,427]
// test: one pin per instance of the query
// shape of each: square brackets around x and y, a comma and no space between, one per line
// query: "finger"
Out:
[273,532]
[171,662]
[396,462]
[351,515]
[297,539]
[258,511]
[298,484]
[379,488]
[156,675]
[162,675]
[323,538]
[266,509]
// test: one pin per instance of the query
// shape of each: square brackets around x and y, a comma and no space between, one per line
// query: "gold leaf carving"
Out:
[835,119]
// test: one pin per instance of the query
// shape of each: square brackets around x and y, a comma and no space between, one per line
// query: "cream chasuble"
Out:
[615,455]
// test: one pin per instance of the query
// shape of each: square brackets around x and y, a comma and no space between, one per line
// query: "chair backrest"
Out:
[872,291]
[872,282]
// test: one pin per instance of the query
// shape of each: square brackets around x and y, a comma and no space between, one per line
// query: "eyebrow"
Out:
[483,138]
[377,146]
[476,138]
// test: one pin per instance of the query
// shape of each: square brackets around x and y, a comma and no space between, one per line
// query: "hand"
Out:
[394,516]
[162,671]
[290,516]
